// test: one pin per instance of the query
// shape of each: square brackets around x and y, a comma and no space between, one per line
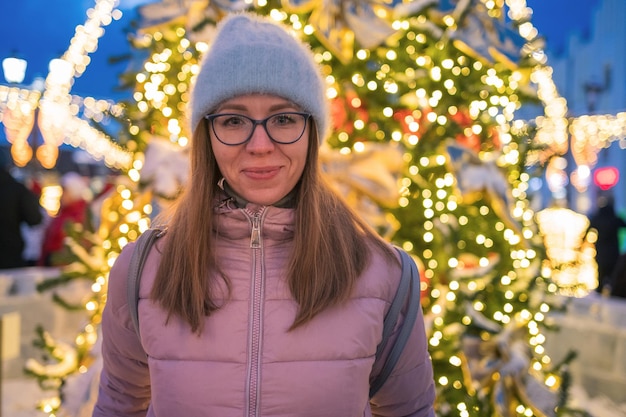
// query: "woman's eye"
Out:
[282,119]
[234,121]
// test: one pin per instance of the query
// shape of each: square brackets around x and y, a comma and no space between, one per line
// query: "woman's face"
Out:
[260,171]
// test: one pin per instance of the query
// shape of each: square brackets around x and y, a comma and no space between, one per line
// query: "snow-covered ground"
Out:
[597,406]
[20,396]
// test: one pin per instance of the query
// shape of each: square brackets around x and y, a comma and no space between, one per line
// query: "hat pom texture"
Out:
[252,55]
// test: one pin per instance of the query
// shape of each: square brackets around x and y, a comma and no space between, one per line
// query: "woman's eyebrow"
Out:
[242,107]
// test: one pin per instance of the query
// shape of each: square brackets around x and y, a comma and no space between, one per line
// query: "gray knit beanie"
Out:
[253,54]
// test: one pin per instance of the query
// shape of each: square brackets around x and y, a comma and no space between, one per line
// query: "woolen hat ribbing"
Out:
[253,54]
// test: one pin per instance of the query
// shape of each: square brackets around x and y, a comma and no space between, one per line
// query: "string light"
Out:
[58,113]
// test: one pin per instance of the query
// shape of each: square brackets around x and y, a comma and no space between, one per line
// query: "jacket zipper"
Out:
[255,234]
[256,313]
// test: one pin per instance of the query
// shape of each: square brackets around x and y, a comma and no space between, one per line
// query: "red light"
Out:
[606,178]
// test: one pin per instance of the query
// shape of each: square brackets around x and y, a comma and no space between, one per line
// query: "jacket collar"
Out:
[287,201]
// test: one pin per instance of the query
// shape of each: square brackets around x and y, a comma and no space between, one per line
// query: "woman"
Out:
[266,295]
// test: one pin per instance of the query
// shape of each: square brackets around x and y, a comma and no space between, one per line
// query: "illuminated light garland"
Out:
[124,219]
[570,262]
[17,113]
[58,111]
[80,134]
[599,130]
[552,128]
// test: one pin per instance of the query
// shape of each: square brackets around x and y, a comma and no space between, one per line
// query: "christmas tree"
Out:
[425,144]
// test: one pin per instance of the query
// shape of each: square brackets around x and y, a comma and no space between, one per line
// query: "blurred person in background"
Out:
[618,278]
[33,235]
[18,206]
[607,224]
[73,209]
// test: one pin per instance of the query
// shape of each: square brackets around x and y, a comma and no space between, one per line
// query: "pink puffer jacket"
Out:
[246,363]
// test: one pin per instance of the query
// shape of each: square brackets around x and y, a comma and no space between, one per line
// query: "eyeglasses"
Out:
[235,129]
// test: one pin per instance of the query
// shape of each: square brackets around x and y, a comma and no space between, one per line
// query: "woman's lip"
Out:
[261,172]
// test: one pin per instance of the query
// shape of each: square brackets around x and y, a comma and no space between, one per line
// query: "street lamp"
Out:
[18,115]
[14,69]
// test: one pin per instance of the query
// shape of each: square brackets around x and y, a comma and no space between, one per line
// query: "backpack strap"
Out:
[407,293]
[137,261]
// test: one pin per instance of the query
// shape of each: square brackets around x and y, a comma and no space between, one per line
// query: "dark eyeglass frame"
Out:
[263,122]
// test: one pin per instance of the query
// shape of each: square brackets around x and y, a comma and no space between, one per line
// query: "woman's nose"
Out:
[260,140]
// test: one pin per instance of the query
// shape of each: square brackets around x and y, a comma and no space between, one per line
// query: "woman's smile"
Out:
[261,173]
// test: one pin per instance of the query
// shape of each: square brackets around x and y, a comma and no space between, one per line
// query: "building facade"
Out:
[590,73]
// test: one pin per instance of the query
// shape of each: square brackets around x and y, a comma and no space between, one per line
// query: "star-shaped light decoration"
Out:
[60,116]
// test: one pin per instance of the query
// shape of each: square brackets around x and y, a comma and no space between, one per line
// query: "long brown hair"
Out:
[330,248]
